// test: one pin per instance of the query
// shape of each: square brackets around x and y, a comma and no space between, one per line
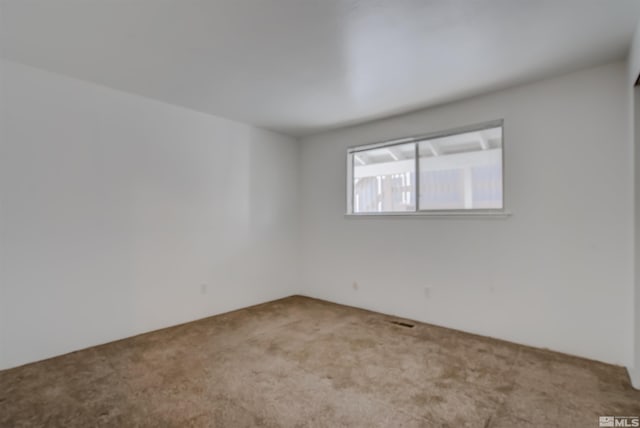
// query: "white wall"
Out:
[116,208]
[3,300]
[556,274]
[634,101]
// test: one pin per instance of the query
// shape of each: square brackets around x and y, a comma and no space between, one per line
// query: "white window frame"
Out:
[463,212]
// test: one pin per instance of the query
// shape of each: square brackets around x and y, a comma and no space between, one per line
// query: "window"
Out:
[448,171]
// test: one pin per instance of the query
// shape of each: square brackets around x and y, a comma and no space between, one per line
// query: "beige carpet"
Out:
[301,362]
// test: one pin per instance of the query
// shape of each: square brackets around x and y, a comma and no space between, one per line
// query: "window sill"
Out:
[437,214]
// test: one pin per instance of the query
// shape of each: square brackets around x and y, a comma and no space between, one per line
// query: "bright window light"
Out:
[457,171]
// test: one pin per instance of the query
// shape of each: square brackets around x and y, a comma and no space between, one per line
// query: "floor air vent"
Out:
[402,324]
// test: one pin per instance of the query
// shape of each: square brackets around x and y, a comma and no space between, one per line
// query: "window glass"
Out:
[455,171]
[461,171]
[384,179]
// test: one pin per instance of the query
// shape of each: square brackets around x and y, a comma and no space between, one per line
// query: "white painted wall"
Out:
[557,274]
[3,300]
[634,101]
[116,208]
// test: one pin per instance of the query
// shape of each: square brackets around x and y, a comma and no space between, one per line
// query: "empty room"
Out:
[320,213]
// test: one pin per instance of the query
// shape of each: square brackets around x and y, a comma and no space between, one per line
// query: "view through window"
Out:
[454,170]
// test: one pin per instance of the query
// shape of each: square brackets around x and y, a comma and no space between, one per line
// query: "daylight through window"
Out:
[455,171]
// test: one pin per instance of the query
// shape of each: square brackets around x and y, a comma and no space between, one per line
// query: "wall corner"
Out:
[634,376]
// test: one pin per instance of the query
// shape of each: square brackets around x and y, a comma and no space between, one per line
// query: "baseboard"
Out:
[634,376]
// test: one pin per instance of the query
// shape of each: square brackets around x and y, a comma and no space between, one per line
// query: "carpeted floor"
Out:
[300,362]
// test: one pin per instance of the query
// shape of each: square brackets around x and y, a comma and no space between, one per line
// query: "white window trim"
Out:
[474,212]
